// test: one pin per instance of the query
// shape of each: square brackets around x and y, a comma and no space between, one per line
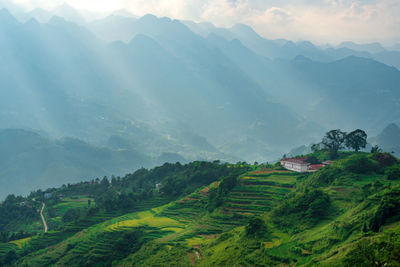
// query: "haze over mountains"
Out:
[156,85]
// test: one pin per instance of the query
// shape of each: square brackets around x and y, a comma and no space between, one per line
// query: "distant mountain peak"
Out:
[149,17]
[123,13]
[369,47]
[32,22]
[57,20]
[241,26]
[7,19]
[142,38]
[243,29]
[301,58]
[64,6]
[392,127]
[389,138]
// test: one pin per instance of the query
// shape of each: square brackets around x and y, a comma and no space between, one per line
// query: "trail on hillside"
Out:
[43,220]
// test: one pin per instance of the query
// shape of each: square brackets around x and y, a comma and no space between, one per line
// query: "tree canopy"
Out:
[356,139]
[333,141]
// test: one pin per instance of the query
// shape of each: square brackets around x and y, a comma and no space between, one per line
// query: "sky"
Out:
[320,21]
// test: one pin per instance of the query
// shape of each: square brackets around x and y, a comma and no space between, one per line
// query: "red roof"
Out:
[315,167]
[297,160]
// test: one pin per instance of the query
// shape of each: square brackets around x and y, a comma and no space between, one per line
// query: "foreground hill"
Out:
[212,214]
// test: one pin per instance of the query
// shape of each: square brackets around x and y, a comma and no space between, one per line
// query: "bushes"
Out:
[361,164]
[305,208]
[389,207]
[324,177]
[256,227]
[383,252]
[384,159]
[71,215]
[393,173]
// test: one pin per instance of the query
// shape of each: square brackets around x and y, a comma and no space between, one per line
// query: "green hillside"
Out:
[213,214]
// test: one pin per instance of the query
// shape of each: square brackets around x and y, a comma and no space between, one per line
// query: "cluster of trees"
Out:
[11,208]
[335,140]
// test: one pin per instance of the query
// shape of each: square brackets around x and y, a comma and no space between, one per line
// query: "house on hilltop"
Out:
[295,164]
[300,164]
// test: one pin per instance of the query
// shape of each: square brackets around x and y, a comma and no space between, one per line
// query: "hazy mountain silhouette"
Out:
[29,161]
[389,139]
[185,89]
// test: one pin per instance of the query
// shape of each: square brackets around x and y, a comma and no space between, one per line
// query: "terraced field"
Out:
[259,192]
[185,223]
[146,218]
[6,247]
[69,203]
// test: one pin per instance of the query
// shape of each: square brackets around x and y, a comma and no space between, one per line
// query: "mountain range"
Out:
[160,86]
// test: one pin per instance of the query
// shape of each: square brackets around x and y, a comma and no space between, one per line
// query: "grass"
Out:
[145,218]
[72,203]
[21,242]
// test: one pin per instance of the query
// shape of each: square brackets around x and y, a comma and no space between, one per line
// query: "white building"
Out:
[295,164]
[301,165]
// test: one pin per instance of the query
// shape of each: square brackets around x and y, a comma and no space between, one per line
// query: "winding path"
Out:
[43,220]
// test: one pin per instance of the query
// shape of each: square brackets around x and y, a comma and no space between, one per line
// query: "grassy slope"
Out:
[185,233]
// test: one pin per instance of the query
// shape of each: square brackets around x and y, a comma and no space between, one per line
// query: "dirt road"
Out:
[43,220]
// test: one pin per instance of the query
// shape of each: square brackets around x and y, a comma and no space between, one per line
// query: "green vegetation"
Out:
[213,214]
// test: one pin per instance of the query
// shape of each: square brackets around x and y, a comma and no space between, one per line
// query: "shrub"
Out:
[313,160]
[256,227]
[389,207]
[393,173]
[324,177]
[384,159]
[361,164]
[304,208]
[382,252]
[71,215]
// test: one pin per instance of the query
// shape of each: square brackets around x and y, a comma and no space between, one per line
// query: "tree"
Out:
[313,160]
[333,141]
[315,147]
[356,139]
[104,182]
[71,215]
[10,257]
[256,227]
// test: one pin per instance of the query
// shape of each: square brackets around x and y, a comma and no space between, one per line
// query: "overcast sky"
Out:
[320,21]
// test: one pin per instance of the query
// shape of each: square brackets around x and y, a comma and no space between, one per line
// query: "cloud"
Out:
[316,20]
